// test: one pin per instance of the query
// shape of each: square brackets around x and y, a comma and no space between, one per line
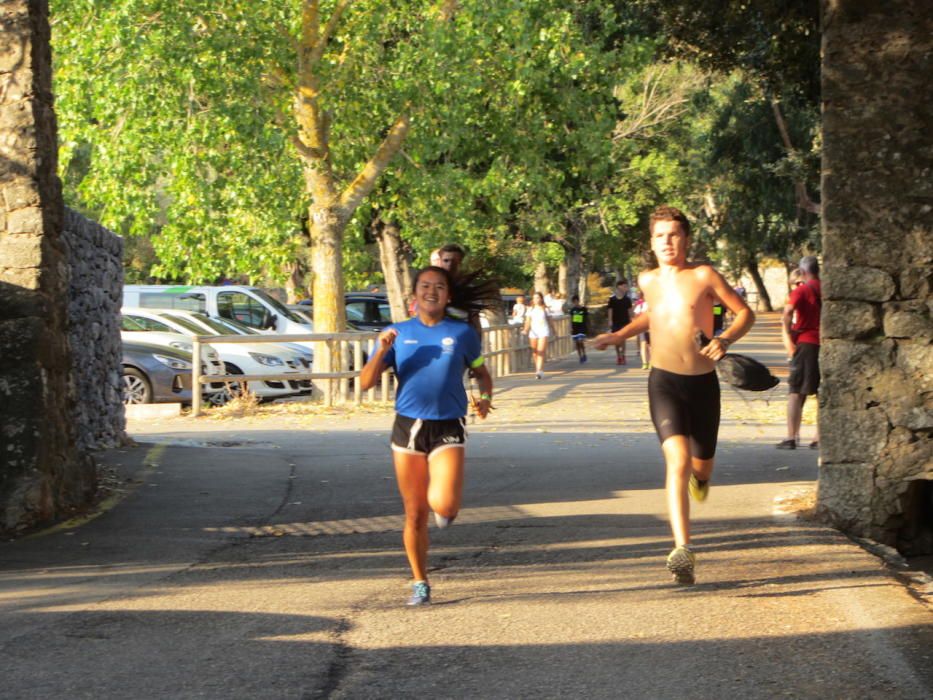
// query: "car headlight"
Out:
[181,345]
[267,360]
[172,362]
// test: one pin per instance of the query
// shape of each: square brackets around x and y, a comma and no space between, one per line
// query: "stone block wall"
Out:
[42,474]
[95,294]
[876,401]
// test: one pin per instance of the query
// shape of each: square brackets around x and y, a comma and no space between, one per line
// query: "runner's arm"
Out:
[639,325]
[376,365]
[484,379]
[744,317]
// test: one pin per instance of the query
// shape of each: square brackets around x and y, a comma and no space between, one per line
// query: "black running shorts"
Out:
[420,436]
[805,370]
[684,404]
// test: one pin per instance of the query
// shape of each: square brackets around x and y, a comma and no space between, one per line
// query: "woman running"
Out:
[538,329]
[429,354]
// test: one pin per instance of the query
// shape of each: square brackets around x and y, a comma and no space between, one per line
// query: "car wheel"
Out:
[231,389]
[136,387]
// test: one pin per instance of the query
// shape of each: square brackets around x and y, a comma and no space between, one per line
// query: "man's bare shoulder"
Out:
[646,276]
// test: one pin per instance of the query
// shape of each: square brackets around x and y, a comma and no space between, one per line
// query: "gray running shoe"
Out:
[681,562]
[441,521]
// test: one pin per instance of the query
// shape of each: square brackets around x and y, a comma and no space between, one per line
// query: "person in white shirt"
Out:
[518,311]
[538,328]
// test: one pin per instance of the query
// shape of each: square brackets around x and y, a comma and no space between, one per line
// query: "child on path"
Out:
[683,390]
[579,326]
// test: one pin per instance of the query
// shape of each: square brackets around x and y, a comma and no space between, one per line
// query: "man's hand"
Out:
[603,341]
[716,348]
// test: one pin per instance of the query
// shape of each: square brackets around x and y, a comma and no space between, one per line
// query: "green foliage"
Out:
[533,124]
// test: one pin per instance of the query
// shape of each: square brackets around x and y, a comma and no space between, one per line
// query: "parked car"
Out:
[143,330]
[155,374]
[249,305]
[226,326]
[366,311]
[261,358]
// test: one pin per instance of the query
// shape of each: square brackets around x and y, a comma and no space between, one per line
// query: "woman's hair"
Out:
[535,297]
[470,292]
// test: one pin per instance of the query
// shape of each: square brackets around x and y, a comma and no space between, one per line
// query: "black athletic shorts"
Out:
[805,370]
[425,437]
[685,404]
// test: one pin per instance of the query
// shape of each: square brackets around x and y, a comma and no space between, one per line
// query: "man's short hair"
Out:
[666,213]
[575,297]
[621,282]
[809,265]
[454,248]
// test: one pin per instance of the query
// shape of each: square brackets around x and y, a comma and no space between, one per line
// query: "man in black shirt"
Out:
[620,314]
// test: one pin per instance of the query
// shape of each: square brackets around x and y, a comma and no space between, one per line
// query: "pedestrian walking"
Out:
[538,329]
[620,314]
[800,332]
[579,326]
[429,354]
[683,390]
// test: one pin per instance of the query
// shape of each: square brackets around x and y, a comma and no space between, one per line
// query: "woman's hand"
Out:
[387,339]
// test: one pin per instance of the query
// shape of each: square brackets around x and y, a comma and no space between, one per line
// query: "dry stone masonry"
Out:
[876,401]
[95,292]
[42,474]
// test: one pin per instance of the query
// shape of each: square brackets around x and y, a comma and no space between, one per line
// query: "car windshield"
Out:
[277,305]
[189,325]
[231,324]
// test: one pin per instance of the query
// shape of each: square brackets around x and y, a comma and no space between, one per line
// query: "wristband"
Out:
[726,341]
[485,397]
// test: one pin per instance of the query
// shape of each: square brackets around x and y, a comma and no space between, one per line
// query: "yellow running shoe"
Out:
[680,562]
[699,490]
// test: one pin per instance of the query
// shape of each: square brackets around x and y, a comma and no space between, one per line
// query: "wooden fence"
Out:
[505,348]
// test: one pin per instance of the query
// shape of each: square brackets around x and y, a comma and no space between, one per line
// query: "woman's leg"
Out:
[411,472]
[541,352]
[445,487]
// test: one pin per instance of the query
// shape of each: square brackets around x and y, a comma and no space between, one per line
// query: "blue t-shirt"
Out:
[429,362]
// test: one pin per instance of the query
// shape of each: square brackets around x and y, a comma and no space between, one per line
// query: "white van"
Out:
[248,305]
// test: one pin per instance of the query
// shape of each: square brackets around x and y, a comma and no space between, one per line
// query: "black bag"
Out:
[745,372]
[741,371]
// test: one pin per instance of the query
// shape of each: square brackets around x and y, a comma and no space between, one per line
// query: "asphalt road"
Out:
[261,558]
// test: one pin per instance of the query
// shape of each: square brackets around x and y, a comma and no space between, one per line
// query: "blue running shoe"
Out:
[421,593]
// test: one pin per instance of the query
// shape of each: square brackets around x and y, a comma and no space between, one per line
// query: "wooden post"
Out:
[195,377]
[358,367]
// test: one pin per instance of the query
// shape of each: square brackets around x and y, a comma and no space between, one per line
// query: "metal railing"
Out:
[505,348]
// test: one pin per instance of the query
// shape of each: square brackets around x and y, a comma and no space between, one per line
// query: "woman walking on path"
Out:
[429,354]
[538,329]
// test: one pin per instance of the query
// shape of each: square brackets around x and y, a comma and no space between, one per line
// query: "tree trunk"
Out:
[294,288]
[541,281]
[396,267]
[570,270]
[763,297]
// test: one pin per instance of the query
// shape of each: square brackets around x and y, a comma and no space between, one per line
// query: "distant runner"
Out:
[579,326]
[683,391]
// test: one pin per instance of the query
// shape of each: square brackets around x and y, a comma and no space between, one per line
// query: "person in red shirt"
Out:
[800,331]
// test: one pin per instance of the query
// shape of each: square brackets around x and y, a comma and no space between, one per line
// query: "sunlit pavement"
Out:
[261,558]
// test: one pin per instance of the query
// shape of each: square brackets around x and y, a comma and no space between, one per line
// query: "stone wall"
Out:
[876,402]
[95,294]
[42,474]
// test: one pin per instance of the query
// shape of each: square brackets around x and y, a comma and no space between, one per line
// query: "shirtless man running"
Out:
[683,391]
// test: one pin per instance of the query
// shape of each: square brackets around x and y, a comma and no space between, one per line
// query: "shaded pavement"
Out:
[261,558]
